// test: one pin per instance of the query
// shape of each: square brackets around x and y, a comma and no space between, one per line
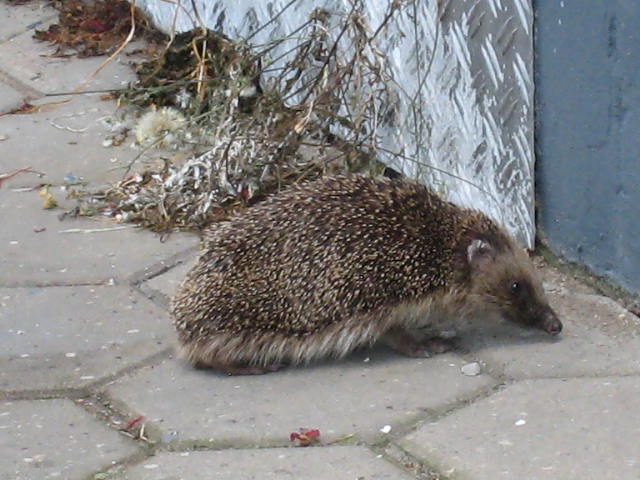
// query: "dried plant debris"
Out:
[90,28]
[305,437]
[254,120]
[197,72]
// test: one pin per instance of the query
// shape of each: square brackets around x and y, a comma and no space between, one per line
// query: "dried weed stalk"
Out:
[259,117]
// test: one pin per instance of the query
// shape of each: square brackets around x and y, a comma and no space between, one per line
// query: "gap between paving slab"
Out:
[56,439]
[69,337]
[321,463]
[30,62]
[17,19]
[359,395]
[570,429]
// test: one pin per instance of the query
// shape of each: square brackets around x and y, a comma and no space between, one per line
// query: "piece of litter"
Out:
[134,422]
[386,429]
[70,355]
[150,466]
[471,369]
[305,437]
[91,230]
[520,422]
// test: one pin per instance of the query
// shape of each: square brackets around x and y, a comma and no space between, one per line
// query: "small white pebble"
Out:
[386,429]
[133,330]
[151,466]
[521,422]
[449,334]
[366,360]
[70,355]
[471,369]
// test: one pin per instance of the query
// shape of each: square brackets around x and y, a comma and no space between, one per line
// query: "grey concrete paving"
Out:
[29,61]
[47,439]
[16,21]
[91,388]
[167,283]
[43,250]
[330,463]
[579,428]
[359,396]
[63,140]
[64,337]
[10,98]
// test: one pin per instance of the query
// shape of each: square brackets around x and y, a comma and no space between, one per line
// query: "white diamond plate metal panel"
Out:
[462,74]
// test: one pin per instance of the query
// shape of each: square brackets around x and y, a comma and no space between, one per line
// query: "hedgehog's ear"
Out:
[480,253]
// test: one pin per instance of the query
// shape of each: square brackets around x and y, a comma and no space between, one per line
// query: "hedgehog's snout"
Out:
[551,324]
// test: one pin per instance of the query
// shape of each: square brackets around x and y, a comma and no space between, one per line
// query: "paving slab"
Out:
[317,463]
[55,439]
[16,19]
[64,140]
[167,283]
[359,395]
[569,429]
[586,346]
[31,62]
[10,98]
[37,252]
[63,337]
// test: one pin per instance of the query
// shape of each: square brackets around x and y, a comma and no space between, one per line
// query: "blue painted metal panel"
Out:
[588,132]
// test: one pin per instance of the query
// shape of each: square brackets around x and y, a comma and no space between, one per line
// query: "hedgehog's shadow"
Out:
[493,335]
[472,339]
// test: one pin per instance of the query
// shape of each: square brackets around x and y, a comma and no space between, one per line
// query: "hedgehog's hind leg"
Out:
[221,353]
[404,342]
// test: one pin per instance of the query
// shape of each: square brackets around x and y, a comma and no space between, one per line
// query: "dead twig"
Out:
[6,176]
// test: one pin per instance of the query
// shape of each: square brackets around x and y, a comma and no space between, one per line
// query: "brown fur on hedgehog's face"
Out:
[504,280]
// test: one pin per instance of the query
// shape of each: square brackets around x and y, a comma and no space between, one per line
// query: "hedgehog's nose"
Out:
[551,324]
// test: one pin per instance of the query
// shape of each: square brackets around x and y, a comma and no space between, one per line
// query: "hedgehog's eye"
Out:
[515,287]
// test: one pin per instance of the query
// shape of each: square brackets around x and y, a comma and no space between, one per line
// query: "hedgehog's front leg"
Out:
[404,342]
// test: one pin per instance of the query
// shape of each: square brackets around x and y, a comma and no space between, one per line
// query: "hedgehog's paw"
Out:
[402,341]
[438,344]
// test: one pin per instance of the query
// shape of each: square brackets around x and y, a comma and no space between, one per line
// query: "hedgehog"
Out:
[343,262]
